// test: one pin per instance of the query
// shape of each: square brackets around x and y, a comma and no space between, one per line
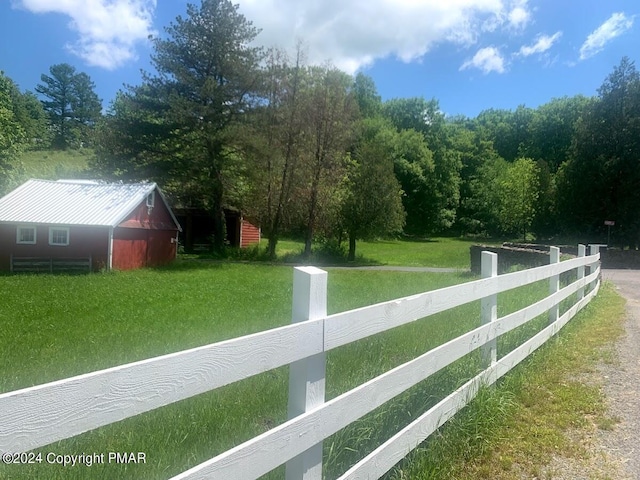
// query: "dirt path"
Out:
[622,381]
[612,454]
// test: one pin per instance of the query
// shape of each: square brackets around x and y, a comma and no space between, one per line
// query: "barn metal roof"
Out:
[73,202]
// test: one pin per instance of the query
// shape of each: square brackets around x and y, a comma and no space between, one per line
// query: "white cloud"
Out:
[355,33]
[519,15]
[487,59]
[108,30]
[542,44]
[615,26]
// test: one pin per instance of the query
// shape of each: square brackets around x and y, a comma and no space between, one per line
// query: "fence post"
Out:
[593,250]
[554,284]
[489,307]
[582,251]
[307,376]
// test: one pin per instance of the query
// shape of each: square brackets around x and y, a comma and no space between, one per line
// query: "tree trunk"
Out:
[315,186]
[271,249]
[352,247]
[188,233]
[219,226]
[219,229]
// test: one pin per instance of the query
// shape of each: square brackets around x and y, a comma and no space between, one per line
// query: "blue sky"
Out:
[471,55]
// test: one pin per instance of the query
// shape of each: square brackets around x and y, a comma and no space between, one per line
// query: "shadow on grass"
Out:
[190,264]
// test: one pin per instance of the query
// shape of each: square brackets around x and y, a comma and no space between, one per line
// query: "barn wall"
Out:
[159,218]
[250,234]
[138,247]
[145,238]
[162,247]
[83,242]
[129,248]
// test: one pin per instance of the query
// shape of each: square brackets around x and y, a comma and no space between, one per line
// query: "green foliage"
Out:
[12,136]
[516,196]
[71,104]
[437,193]
[366,96]
[508,130]
[180,127]
[552,129]
[296,147]
[329,110]
[600,179]
[373,203]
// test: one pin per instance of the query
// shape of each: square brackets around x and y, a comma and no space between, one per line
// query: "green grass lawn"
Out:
[443,252]
[434,252]
[56,164]
[53,327]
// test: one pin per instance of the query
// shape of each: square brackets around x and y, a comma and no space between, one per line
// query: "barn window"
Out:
[58,236]
[26,235]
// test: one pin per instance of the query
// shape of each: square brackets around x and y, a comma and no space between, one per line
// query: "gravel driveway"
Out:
[613,454]
[616,452]
[622,381]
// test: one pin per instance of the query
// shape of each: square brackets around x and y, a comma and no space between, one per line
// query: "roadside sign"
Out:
[609,223]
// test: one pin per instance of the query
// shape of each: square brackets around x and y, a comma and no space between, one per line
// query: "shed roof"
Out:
[74,202]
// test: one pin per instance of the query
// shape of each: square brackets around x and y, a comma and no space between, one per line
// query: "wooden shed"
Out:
[197,230]
[69,224]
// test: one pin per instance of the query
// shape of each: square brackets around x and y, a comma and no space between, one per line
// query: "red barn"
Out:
[121,226]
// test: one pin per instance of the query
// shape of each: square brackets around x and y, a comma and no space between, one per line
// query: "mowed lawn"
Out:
[56,164]
[442,252]
[56,326]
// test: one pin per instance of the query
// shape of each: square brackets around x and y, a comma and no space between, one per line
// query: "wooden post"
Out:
[554,284]
[307,376]
[582,251]
[593,250]
[489,307]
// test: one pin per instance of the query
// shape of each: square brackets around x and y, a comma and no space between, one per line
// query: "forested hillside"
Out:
[312,151]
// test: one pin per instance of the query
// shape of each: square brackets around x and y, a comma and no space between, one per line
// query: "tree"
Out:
[552,129]
[273,144]
[366,96]
[481,166]
[192,108]
[517,193]
[71,103]
[439,194]
[601,179]
[329,112]
[372,204]
[12,136]
[415,170]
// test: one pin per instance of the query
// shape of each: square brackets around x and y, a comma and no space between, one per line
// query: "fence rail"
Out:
[37,416]
[48,264]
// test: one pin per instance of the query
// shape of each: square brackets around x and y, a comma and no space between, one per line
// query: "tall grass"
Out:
[58,326]
[541,409]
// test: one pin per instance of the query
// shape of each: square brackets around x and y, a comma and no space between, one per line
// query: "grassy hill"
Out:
[56,164]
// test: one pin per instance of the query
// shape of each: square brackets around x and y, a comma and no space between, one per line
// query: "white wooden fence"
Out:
[37,416]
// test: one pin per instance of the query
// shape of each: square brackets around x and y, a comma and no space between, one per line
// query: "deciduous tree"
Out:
[12,136]
[372,205]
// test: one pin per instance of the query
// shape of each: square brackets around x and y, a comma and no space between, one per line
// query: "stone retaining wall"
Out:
[515,255]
